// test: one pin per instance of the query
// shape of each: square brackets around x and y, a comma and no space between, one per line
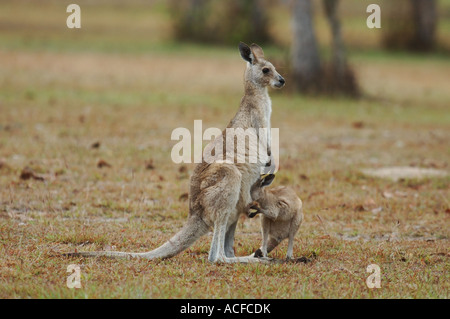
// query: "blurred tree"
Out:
[340,76]
[190,17]
[306,66]
[425,18]
[217,21]
[339,60]
[309,73]
[410,25]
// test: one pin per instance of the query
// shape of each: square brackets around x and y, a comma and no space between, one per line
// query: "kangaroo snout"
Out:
[280,82]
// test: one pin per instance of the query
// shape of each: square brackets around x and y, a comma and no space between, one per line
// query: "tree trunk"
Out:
[305,56]
[410,25]
[425,17]
[339,61]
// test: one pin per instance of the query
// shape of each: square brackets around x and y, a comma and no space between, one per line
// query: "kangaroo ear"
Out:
[246,53]
[267,180]
[257,51]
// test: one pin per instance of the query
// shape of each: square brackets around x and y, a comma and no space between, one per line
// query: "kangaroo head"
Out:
[257,190]
[259,71]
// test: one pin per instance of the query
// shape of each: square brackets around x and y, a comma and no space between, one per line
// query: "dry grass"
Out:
[63,112]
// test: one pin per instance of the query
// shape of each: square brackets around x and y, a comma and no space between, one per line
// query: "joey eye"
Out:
[266,70]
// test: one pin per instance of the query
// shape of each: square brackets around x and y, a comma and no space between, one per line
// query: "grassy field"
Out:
[113,92]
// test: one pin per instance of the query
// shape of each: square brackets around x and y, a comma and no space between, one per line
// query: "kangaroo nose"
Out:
[281,80]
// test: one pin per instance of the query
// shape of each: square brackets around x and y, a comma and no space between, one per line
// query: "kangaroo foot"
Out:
[258,253]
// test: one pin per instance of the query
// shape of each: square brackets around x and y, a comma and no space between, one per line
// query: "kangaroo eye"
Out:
[266,70]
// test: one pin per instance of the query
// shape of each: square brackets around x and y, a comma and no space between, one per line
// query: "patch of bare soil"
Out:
[403,172]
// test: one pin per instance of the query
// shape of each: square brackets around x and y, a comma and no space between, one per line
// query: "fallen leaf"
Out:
[334,146]
[149,164]
[302,259]
[102,163]
[377,210]
[184,197]
[95,145]
[369,202]
[213,273]
[400,194]
[358,124]
[28,173]
[388,195]
[3,164]
[182,169]
[368,205]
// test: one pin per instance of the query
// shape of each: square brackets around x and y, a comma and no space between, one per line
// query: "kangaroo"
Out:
[220,191]
[281,218]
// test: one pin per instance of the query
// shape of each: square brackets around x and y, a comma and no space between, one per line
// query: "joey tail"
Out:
[194,228]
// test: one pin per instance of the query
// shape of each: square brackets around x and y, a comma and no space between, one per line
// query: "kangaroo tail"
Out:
[191,231]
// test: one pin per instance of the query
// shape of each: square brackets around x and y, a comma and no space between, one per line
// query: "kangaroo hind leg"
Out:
[220,202]
[229,240]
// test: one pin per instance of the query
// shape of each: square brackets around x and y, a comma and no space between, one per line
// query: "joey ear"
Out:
[246,53]
[267,180]
[257,51]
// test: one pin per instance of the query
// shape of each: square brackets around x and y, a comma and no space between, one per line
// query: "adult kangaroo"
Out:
[220,190]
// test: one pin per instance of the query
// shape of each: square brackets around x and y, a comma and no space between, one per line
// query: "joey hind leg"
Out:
[265,229]
[272,243]
[290,249]
[292,232]
[269,242]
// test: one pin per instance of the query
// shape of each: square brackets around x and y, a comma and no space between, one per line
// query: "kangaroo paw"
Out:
[253,209]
